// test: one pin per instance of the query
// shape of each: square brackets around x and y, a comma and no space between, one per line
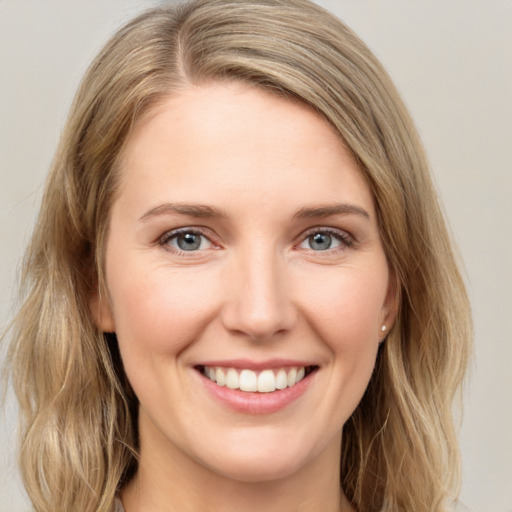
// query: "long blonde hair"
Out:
[78,412]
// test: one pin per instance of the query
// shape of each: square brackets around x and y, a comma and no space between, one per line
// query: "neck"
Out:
[143,494]
[187,486]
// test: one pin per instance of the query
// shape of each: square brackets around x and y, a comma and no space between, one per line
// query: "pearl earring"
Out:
[383,328]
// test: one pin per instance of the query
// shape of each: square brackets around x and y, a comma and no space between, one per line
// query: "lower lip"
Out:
[257,403]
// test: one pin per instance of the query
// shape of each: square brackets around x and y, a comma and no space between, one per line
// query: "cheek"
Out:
[160,311]
[347,308]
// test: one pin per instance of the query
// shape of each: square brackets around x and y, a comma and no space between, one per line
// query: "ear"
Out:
[390,306]
[101,311]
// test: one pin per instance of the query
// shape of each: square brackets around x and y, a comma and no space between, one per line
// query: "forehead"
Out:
[222,142]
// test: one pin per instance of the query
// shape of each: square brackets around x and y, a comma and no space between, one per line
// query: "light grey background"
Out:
[452,61]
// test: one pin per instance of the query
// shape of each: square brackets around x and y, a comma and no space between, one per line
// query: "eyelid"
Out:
[346,239]
[168,235]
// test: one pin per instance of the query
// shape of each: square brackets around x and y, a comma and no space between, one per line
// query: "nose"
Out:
[259,301]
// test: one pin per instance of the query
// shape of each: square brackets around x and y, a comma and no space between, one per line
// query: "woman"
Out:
[240,293]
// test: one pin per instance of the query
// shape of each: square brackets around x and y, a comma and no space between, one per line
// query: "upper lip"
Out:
[256,365]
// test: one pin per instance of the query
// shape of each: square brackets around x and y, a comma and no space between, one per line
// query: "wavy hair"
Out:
[78,412]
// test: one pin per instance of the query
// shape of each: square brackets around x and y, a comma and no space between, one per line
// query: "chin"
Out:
[262,460]
[261,470]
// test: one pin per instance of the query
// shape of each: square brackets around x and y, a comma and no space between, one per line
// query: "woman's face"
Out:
[243,252]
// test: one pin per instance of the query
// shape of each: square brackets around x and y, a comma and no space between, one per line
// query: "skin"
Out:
[255,289]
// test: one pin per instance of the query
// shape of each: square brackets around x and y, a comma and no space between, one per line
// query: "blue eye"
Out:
[325,240]
[187,241]
[320,241]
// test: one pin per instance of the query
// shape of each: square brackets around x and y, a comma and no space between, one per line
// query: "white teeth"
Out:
[266,381]
[281,379]
[292,375]
[248,380]
[220,377]
[232,379]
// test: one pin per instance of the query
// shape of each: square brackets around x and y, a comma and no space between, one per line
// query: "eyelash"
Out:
[346,240]
[168,236]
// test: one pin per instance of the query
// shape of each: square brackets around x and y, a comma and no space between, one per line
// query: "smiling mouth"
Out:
[265,381]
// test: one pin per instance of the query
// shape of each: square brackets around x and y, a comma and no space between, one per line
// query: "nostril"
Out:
[257,323]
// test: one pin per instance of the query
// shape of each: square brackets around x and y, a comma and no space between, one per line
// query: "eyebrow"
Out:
[191,210]
[332,209]
[205,211]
